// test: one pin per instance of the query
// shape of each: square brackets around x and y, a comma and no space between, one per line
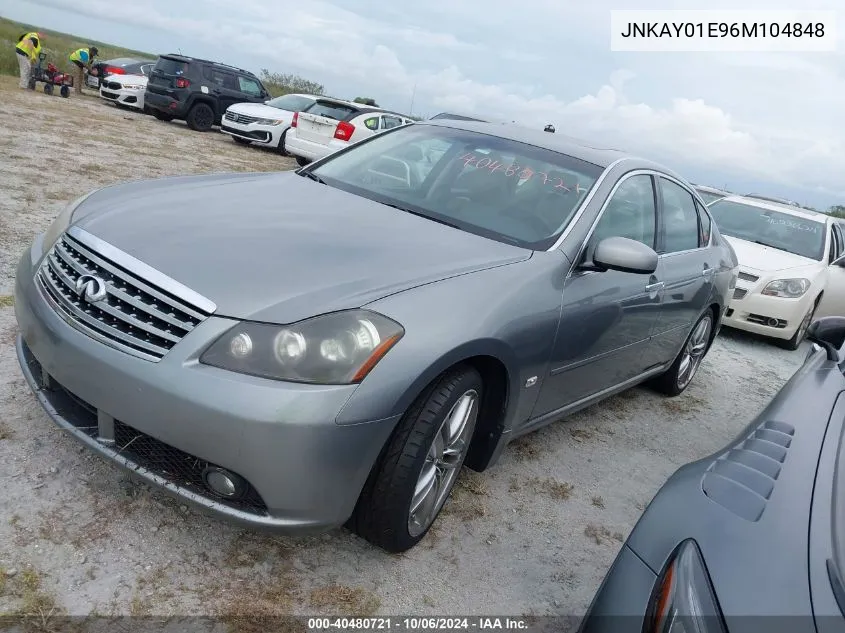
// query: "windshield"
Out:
[783,231]
[291,103]
[708,196]
[483,184]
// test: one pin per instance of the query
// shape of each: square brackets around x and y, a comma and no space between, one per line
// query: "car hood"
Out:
[279,247]
[766,259]
[261,110]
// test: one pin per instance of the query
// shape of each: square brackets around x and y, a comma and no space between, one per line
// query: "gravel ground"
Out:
[532,536]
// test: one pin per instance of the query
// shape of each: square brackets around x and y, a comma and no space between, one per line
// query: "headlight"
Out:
[337,348]
[684,600]
[269,121]
[788,288]
[62,221]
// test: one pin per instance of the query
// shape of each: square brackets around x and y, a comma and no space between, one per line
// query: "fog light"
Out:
[224,483]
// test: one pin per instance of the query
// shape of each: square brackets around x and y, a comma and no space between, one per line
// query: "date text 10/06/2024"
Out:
[418,624]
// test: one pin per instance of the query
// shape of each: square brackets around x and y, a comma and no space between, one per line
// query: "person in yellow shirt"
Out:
[28,48]
[82,58]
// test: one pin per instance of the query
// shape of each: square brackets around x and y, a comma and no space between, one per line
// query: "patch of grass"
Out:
[598,502]
[465,505]
[581,435]
[600,534]
[37,606]
[560,490]
[353,601]
[473,482]
[7,301]
[684,404]
[526,449]
[5,432]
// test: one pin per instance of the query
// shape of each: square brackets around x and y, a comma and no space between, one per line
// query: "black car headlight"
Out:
[336,348]
[683,600]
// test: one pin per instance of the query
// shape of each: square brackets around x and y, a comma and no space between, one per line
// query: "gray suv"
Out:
[330,346]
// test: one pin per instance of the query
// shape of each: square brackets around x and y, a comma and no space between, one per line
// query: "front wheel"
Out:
[679,376]
[48,89]
[65,91]
[200,118]
[301,161]
[419,466]
[281,146]
[798,338]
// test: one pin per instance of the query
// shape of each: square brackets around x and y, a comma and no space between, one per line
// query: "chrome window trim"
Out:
[143,271]
[577,217]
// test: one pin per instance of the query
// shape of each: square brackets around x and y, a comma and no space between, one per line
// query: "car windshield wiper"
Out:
[421,215]
[312,176]
[762,243]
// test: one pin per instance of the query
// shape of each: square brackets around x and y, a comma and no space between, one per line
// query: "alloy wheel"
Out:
[442,463]
[694,351]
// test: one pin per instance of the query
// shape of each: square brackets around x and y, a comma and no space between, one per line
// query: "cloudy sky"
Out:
[769,122]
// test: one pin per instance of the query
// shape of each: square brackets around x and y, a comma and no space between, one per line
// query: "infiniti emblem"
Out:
[91,288]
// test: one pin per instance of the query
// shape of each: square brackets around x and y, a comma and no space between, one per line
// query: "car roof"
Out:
[188,59]
[360,107]
[577,148]
[761,196]
[800,212]
[125,61]
[710,189]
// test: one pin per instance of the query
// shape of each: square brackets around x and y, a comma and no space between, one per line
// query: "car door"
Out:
[833,299]
[607,316]
[685,267]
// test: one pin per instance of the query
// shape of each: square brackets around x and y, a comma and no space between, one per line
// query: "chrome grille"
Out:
[240,118]
[748,277]
[135,316]
[739,293]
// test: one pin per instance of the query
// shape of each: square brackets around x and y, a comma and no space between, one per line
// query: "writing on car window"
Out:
[792,224]
[522,173]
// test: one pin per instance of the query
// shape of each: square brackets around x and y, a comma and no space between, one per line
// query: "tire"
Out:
[795,342]
[48,89]
[65,91]
[200,118]
[384,513]
[162,116]
[676,379]
[301,161]
[31,84]
[281,146]
[241,141]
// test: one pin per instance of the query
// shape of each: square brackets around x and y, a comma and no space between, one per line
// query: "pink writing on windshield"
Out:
[521,173]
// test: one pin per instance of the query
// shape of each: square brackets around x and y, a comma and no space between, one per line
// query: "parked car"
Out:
[125,91]
[332,124]
[757,196]
[334,351]
[789,259]
[751,537]
[118,66]
[199,91]
[710,194]
[264,123]
[454,117]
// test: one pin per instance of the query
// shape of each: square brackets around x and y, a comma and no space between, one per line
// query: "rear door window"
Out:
[389,121]
[331,110]
[704,224]
[372,123]
[680,219]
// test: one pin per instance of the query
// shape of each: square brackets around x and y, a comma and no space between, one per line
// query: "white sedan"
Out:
[332,124]
[790,266]
[264,123]
[124,90]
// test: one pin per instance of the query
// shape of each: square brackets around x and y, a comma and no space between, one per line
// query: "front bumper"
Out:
[262,134]
[131,98]
[172,418]
[757,313]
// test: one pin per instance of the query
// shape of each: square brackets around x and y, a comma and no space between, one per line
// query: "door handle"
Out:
[657,285]
[707,271]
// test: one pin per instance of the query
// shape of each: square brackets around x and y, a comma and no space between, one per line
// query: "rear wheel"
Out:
[281,145]
[31,83]
[162,116]
[679,376]
[200,118]
[420,464]
[65,91]
[302,162]
[48,89]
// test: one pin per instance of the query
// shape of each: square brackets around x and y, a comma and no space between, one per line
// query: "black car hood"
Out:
[279,247]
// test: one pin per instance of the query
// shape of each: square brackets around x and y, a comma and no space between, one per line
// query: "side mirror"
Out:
[829,333]
[626,255]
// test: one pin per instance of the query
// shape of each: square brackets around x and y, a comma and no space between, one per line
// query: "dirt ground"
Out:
[532,536]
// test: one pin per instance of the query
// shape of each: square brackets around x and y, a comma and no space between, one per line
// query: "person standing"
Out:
[28,49]
[82,58]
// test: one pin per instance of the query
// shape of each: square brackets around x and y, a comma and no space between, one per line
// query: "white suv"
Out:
[790,266]
[332,124]
[264,123]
